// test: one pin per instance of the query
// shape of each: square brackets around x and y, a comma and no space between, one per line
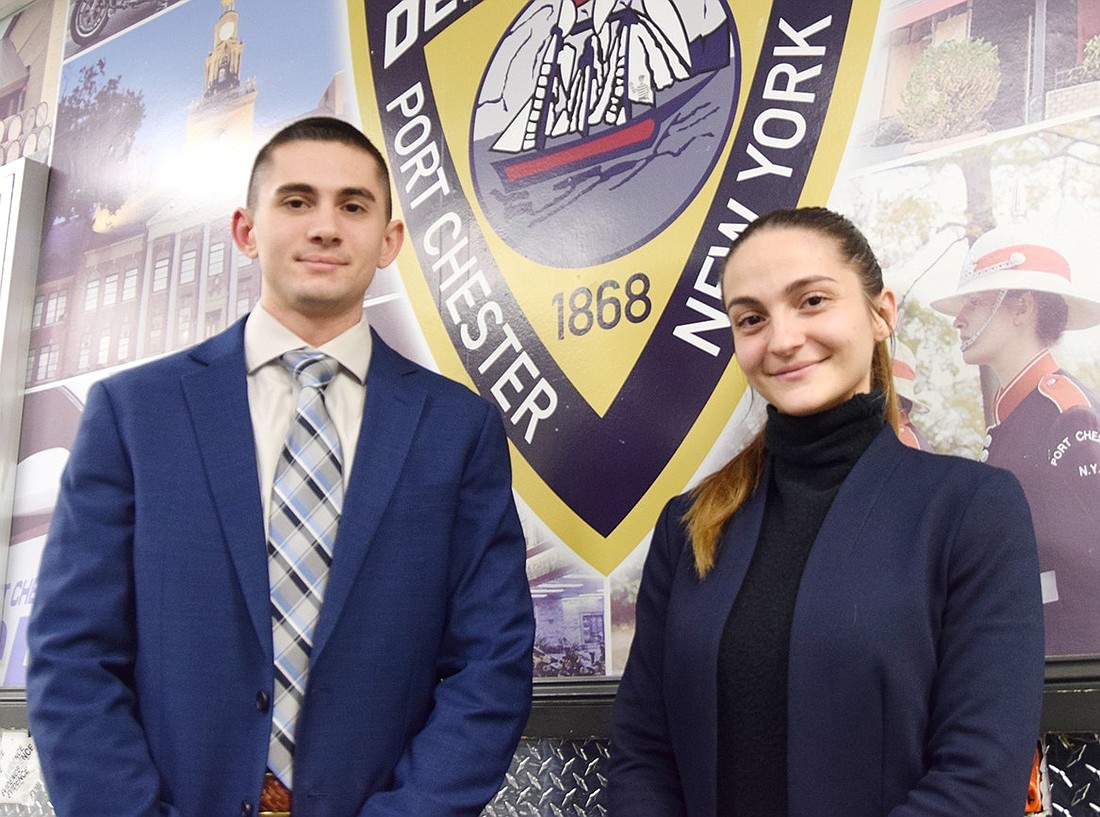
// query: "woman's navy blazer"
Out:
[916,653]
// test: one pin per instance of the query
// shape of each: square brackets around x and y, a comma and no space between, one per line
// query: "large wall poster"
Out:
[29,67]
[157,125]
[983,130]
[571,173]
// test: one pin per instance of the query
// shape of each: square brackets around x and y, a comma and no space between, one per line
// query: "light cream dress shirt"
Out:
[273,391]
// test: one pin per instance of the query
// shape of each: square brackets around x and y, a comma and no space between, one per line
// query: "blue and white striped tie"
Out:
[307,496]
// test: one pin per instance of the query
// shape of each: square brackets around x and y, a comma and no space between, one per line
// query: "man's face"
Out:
[986,329]
[319,229]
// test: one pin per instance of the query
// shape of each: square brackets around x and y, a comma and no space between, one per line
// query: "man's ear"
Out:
[243,234]
[391,242]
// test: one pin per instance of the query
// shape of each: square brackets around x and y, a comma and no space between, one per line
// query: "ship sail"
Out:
[602,68]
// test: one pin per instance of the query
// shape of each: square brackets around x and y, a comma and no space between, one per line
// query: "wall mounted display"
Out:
[572,173]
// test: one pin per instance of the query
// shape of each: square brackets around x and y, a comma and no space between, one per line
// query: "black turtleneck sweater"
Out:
[810,457]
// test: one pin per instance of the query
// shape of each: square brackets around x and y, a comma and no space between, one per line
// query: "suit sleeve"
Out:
[643,780]
[81,702]
[456,763]
[987,694]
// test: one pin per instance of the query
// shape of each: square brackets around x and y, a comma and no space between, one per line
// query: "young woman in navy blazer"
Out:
[833,624]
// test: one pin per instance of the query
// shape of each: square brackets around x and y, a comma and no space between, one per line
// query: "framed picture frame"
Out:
[22,205]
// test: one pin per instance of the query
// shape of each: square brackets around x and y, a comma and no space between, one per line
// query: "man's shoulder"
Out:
[416,375]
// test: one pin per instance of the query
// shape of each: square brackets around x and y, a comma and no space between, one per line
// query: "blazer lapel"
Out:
[217,396]
[703,609]
[835,566]
[391,414]
[858,494]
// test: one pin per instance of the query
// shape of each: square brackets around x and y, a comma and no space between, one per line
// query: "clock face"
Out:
[227,29]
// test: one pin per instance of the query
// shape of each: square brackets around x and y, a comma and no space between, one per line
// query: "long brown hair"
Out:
[717,498]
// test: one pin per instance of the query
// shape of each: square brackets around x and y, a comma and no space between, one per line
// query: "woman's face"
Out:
[804,332]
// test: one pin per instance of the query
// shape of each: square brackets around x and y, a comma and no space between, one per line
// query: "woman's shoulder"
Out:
[950,472]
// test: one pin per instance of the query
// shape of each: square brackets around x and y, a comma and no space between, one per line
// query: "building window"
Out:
[160,274]
[104,353]
[52,356]
[30,368]
[243,305]
[183,330]
[188,262]
[43,363]
[91,295]
[129,284]
[213,322]
[216,262]
[110,290]
[55,307]
[39,307]
[85,354]
[243,260]
[156,330]
[124,343]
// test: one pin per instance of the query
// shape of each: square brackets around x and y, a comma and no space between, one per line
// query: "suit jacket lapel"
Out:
[858,494]
[836,561]
[217,396]
[390,417]
[708,601]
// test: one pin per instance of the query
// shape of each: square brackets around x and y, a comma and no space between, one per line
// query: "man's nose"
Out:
[324,226]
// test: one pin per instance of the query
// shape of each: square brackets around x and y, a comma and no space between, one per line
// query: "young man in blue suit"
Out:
[158,684]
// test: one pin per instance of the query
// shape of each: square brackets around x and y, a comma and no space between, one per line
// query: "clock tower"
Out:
[223,63]
[227,103]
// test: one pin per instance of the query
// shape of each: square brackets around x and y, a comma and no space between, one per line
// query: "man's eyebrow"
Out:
[304,189]
[790,289]
[357,193]
[295,187]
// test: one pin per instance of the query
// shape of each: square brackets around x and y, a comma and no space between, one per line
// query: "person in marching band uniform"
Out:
[833,624]
[904,363]
[1016,296]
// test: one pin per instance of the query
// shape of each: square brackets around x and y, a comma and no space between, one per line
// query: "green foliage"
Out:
[897,227]
[624,592]
[950,90]
[1090,65]
[97,121]
[954,422]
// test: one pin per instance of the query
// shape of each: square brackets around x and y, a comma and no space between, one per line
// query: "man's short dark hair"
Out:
[320,129]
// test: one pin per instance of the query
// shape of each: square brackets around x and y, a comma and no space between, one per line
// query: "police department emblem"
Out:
[569,191]
[598,121]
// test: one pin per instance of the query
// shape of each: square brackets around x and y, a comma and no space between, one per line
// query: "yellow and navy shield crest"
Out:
[571,174]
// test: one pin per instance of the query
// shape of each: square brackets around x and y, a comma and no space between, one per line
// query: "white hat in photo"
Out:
[1021,257]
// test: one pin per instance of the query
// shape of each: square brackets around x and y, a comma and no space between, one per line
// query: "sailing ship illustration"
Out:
[610,74]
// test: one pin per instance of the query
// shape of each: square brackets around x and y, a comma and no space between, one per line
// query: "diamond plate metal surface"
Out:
[551,777]
[37,804]
[554,778]
[1073,767]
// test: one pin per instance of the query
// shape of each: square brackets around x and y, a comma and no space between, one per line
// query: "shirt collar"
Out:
[1023,384]
[265,340]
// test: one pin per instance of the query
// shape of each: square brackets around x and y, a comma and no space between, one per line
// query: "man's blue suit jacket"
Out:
[916,653]
[151,646]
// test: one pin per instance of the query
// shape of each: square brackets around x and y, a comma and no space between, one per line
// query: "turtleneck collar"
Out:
[831,439]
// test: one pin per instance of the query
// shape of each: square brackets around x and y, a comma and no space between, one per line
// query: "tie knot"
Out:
[312,369]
